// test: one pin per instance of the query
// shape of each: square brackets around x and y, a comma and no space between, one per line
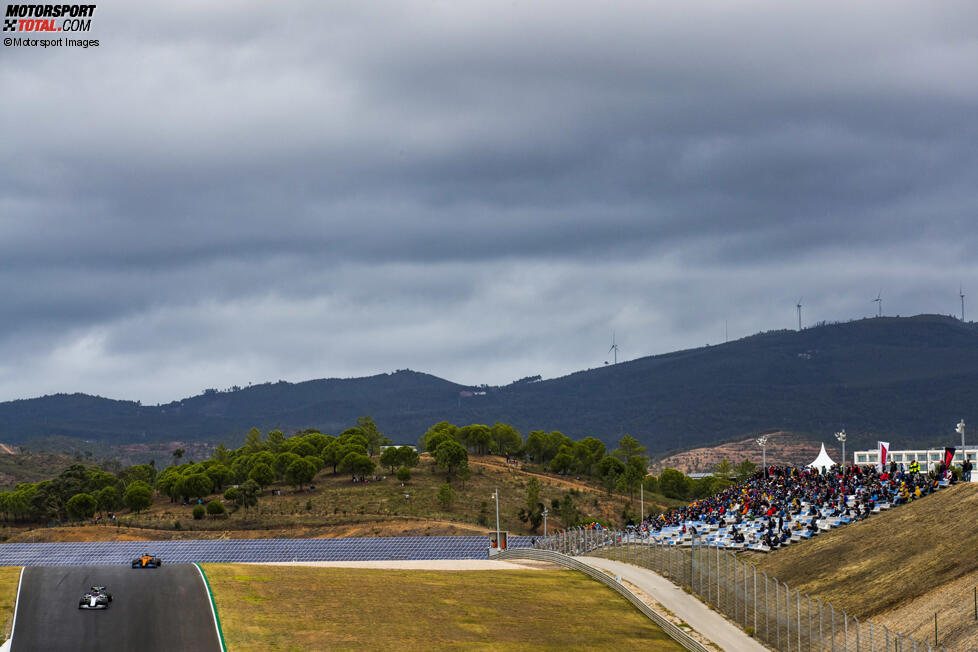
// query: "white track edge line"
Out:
[20,583]
[210,599]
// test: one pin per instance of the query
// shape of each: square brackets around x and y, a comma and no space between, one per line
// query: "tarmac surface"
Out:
[152,610]
[699,616]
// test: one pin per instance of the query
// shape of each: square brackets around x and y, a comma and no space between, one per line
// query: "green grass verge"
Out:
[9,577]
[305,608]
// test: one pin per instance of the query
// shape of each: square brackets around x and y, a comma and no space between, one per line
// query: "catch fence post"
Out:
[857,632]
[736,601]
[845,629]
[870,636]
[821,640]
[832,614]
[798,623]
[777,611]
[767,608]
[755,599]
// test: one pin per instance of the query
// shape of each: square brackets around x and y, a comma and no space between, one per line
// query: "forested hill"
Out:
[902,379]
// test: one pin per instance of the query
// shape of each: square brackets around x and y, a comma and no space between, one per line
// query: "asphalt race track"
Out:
[153,610]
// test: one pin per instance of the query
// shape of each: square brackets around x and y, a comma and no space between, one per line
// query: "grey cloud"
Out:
[480,190]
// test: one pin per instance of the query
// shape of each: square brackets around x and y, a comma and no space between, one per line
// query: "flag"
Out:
[948,456]
[884,451]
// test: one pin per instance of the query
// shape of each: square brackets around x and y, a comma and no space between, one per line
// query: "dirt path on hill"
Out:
[580,486]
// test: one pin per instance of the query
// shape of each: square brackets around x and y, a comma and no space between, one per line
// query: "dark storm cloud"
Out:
[480,190]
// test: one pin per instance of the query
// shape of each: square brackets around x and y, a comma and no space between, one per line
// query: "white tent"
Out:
[823,462]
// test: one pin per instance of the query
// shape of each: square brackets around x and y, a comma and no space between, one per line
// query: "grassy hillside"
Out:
[903,379]
[897,568]
[339,507]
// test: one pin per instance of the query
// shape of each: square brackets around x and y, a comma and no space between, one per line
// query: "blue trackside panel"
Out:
[249,550]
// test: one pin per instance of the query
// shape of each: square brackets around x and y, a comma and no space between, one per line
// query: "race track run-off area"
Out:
[162,609]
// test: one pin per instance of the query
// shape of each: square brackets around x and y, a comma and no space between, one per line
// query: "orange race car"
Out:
[147,561]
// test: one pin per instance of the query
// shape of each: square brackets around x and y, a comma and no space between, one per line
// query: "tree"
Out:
[568,511]
[300,472]
[440,430]
[651,484]
[532,513]
[744,470]
[375,438]
[82,506]
[178,454]
[253,442]
[390,458]
[332,454]
[357,464]
[108,499]
[477,437]
[262,475]
[635,471]
[507,440]
[407,456]
[197,485]
[449,455]
[215,508]
[563,462]
[609,468]
[138,496]
[724,469]
[222,454]
[588,452]
[219,475]
[674,484]
[249,493]
[143,472]
[274,441]
[404,474]
[446,495]
[628,447]
[282,462]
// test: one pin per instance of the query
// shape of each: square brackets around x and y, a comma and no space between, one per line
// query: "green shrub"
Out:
[404,474]
[199,512]
[215,508]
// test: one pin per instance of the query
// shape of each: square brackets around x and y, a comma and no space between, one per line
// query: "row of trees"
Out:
[79,492]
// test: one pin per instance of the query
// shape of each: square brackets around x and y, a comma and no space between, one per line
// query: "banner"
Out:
[884,451]
[948,457]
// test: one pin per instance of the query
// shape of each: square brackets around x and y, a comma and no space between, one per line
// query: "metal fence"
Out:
[765,607]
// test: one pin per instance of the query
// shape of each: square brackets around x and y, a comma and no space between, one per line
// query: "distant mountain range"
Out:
[902,379]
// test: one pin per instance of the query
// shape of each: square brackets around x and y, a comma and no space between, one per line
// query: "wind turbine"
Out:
[614,347]
[879,303]
[961,294]
[799,313]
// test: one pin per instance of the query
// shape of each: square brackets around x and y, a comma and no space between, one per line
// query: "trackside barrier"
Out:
[768,609]
[672,630]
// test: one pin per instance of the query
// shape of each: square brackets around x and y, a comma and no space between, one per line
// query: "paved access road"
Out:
[686,606]
[152,610]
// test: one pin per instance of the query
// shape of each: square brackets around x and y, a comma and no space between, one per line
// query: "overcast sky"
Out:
[229,192]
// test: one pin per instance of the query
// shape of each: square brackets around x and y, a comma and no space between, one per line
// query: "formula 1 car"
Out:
[147,561]
[96,598]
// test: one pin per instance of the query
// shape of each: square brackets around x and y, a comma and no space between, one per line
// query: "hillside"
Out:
[903,379]
[337,507]
[897,568]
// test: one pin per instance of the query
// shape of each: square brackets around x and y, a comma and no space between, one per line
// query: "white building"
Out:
[929,458]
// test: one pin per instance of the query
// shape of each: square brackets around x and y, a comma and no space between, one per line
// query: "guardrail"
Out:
[669,628]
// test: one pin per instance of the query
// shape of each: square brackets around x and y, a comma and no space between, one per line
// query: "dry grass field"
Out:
[9,577]
[308,608]
[897,568]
